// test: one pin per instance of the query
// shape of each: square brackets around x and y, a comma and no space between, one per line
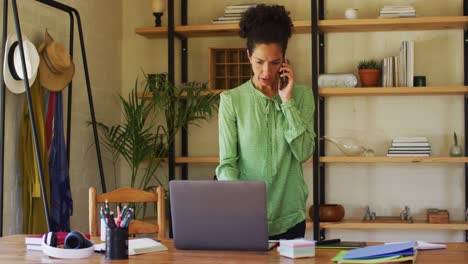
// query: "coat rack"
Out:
[72,12]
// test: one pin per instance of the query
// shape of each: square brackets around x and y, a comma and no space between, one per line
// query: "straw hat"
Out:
[12,67]
[56,67]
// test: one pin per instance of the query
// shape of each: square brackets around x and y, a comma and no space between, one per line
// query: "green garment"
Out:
[261,138]
[33,209]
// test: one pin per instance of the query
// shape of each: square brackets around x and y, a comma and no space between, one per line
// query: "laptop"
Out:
[219,215]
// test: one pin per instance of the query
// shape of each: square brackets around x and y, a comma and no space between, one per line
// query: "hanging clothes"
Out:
[34,221]
[49,119]
[60,192]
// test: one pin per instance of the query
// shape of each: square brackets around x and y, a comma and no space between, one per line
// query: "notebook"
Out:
[137,246]
[219,215]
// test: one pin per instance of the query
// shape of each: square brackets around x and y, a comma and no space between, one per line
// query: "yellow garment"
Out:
[34,221]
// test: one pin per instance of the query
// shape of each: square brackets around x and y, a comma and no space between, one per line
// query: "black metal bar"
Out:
[70,89]
[31,112]
[2,136]
[184,70]
[90,100]
[56,5]
[170,75]
[88,85]
[465,81]
[316,164]
[321,109]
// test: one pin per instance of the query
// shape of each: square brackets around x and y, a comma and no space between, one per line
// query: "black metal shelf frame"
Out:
[73,13]
[319,118]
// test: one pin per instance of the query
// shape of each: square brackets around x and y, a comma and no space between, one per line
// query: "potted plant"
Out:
[140,139]
[369,72]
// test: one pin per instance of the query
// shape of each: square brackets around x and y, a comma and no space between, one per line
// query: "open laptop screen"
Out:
[227,215]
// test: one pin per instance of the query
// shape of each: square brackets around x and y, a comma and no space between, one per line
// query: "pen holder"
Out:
[103,228]
[116,243]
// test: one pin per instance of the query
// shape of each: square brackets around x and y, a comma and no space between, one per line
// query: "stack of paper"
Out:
[232,14]
[378,254]
[297,248]
[397,11]
[409,146]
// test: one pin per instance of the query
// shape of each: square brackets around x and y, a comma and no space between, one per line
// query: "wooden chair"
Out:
[129,195]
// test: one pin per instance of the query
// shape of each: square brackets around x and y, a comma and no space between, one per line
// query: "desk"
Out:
[13,250]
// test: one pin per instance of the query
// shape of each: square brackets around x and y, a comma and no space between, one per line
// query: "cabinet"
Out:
[320,27]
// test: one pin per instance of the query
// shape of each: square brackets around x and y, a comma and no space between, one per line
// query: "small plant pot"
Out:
[329,212]
[369,77]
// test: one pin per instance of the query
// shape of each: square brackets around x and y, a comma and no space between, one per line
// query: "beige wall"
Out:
[386,188]
[102,23]
[117,56]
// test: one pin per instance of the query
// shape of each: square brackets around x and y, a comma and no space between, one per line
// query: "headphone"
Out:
[76,245]
[74,240]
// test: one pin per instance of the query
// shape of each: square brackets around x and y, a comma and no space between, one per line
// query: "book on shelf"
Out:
[214,21]
[410,144]
[241,6]
[410,148]
[409,155]
[416,139]
[237,18]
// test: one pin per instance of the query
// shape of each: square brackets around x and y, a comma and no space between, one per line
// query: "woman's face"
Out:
[266,61]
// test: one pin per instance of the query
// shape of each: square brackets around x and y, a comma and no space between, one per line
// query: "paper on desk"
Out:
[421,245]
[380,251]
[137,246]
[339,258]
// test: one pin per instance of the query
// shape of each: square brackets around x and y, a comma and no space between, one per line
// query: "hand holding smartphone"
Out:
[283,80]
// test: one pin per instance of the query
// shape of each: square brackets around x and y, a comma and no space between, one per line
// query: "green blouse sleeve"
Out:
[227,169]
[300,131]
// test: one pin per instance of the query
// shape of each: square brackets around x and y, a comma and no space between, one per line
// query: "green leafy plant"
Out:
[140,140]
[369,64]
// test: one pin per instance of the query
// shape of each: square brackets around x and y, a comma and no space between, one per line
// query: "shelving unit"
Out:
[321,26]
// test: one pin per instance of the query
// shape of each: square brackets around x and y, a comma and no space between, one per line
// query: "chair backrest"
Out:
[130,195]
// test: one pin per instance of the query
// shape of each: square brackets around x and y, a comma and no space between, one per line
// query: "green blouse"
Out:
[261,138]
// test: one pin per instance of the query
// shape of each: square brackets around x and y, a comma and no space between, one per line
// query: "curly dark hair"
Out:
[265,24]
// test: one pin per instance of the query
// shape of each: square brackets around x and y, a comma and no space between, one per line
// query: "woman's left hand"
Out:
[287,91]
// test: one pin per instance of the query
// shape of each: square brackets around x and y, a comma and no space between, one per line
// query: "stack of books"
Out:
[397,11]
[409,146]
[398,70]
[232,14]
[297,248]
[33,242]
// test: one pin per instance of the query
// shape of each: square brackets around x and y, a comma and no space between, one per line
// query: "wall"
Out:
[386,188]
[102,23]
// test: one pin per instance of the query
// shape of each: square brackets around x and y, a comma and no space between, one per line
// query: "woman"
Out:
[266,126]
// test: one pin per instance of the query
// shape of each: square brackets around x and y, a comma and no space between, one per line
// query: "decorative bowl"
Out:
[329,212]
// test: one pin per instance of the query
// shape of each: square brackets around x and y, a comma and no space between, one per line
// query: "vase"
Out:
[329,212]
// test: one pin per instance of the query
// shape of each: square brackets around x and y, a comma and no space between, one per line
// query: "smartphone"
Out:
[284,79]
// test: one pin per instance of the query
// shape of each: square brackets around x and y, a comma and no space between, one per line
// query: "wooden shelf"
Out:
[197,160]
[358,224]
[181,160]
[379,91]
[214,91]
[345,159]
[210,30]
[152,32]
[393,24]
